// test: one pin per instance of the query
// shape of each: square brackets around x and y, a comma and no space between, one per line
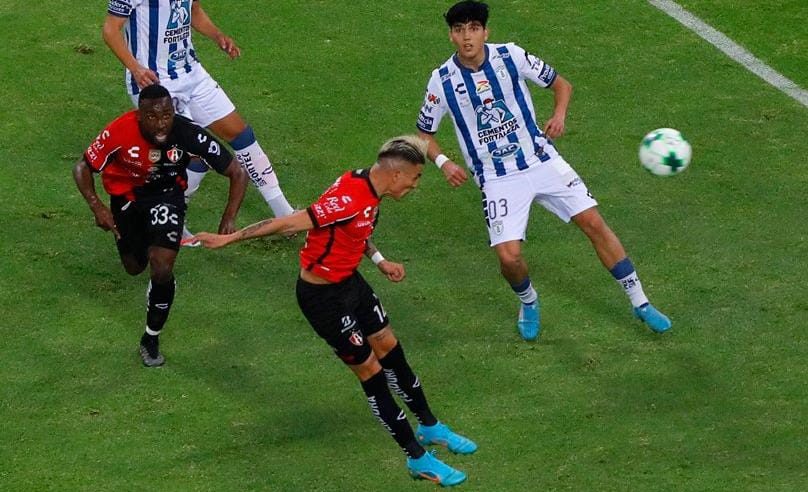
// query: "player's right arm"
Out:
[118,12]
[287,225]
[83,176]
[429,118]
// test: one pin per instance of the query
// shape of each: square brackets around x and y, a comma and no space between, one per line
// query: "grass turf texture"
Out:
[250,399]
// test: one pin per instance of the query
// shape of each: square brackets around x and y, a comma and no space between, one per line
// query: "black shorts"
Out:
[343,314]
[148,222]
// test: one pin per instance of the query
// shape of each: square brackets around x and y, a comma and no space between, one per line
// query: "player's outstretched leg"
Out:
[419,462]
[403,382]
[250,154]
[626,276]
[529,320]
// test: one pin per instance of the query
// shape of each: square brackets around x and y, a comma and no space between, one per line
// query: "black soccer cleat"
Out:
[150,354]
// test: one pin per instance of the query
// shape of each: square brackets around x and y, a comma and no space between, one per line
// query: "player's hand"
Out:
[212,241]
[554,127]
[105,220]
[454,174]
[145,77]
[227,225]
[229,46]
[392,270]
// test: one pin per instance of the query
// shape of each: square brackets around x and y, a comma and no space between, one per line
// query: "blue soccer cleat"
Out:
[430,468]
[443,435]
[528,323]
[655,320]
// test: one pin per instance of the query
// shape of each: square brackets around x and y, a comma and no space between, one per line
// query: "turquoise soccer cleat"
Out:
[428,467]
[655,320]
[528,324]
[443,435]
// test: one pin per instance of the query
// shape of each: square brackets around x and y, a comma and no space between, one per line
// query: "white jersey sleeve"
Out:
[434,107]
[532,67]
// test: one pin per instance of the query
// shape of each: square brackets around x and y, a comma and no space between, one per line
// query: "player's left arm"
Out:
[562,93]
[542,74]
[205,26]
[392,270]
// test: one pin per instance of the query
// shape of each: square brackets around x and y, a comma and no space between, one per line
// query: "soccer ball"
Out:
[665,152]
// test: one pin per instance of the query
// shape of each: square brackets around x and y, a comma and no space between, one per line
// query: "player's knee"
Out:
[132,265]
[161,272]
[510,260]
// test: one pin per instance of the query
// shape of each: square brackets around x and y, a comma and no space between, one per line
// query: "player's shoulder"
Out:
[124,125]
[502,48]
[185,128]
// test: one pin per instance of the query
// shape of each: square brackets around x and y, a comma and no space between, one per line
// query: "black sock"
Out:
[384,407]
[158,303]
[403,382]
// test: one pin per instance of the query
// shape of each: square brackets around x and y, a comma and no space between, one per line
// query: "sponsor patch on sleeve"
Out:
[120,8]
[425,122]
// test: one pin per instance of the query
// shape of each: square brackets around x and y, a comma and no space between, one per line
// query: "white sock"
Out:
[633,287]
[263,176]
[194,180]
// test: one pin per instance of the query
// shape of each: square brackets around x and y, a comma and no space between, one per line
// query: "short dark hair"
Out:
[154,91]
[467,11]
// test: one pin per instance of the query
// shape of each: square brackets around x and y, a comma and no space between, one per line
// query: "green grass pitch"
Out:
[251,399]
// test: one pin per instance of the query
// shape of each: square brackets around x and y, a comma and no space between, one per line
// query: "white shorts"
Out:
[197,96]
[552,184]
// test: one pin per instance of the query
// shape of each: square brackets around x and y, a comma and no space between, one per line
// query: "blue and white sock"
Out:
[627,277]
[252,157]
[527,294]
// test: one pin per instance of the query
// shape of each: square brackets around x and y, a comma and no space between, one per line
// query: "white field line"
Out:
[732,50]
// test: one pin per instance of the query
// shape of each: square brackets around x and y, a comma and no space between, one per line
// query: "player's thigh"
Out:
[165,217]
[131,224]
[562,191]
[506,208]
[366,306]
[328,312]
[208,102]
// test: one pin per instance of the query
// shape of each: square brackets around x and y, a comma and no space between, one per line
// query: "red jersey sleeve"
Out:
[103,149]
[335,205]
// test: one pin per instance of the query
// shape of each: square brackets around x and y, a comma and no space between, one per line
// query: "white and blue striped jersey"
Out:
[492,110]
[159,36]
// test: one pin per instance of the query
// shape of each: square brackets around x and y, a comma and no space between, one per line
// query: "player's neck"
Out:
[473,63]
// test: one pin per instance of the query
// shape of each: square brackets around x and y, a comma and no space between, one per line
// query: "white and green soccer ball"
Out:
[665,152]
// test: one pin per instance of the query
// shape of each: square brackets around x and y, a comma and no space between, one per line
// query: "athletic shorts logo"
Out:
[498,227]
[356,338]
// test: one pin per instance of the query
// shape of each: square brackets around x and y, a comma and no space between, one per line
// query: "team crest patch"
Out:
[174,154]
[154,155]
[497,227]
[356,338]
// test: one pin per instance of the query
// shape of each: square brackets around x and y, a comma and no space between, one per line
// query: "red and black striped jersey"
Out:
[344,218]
[131,166]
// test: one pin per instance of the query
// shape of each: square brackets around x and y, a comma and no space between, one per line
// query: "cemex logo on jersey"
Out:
[432,98]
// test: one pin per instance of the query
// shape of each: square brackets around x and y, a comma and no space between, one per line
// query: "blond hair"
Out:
[410,148]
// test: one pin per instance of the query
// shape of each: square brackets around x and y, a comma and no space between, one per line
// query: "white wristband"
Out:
[440,160]
[377,258]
